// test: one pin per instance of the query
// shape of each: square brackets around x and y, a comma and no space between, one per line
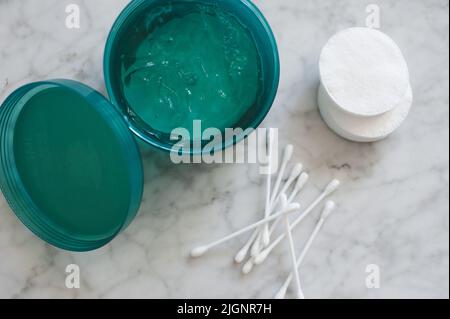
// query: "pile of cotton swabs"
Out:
[278,208]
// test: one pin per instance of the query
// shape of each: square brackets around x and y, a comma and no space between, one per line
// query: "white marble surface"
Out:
[394,205]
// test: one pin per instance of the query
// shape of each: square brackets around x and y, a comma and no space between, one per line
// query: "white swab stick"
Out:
[265,231]
[296,276]
[329,208]
[288,151]
[332,186]
[301,182]
[201,250]
[240,256]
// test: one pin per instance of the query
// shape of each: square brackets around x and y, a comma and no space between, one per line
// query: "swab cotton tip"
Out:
[199,251]
[265,238]
[263,241]
[302,180]
[329,208]
[240,256]
[248,266]
[297,170]
[262,256]
[290,238]
[333,186]
[292,207]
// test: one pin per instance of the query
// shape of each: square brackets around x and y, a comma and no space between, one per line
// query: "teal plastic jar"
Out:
[144,20]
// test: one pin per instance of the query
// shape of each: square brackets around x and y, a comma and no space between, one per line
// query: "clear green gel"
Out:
[193,63]
[70,164]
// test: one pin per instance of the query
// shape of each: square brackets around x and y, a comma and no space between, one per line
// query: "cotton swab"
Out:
[201,250]
[332,187]
[265,229]
[300,294]
[329,208]
[240,256]
[248,266]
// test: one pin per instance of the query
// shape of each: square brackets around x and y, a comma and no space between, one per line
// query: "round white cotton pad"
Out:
[359,129]
[364,72]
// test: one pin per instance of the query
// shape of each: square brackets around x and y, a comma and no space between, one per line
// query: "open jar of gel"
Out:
[170,63]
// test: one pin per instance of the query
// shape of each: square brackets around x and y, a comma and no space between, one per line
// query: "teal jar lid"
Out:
[70,168]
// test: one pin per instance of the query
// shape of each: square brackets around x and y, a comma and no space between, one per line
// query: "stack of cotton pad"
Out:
[365,92]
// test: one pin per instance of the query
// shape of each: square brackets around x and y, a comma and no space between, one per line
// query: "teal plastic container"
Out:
[129,32]
[70,168]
